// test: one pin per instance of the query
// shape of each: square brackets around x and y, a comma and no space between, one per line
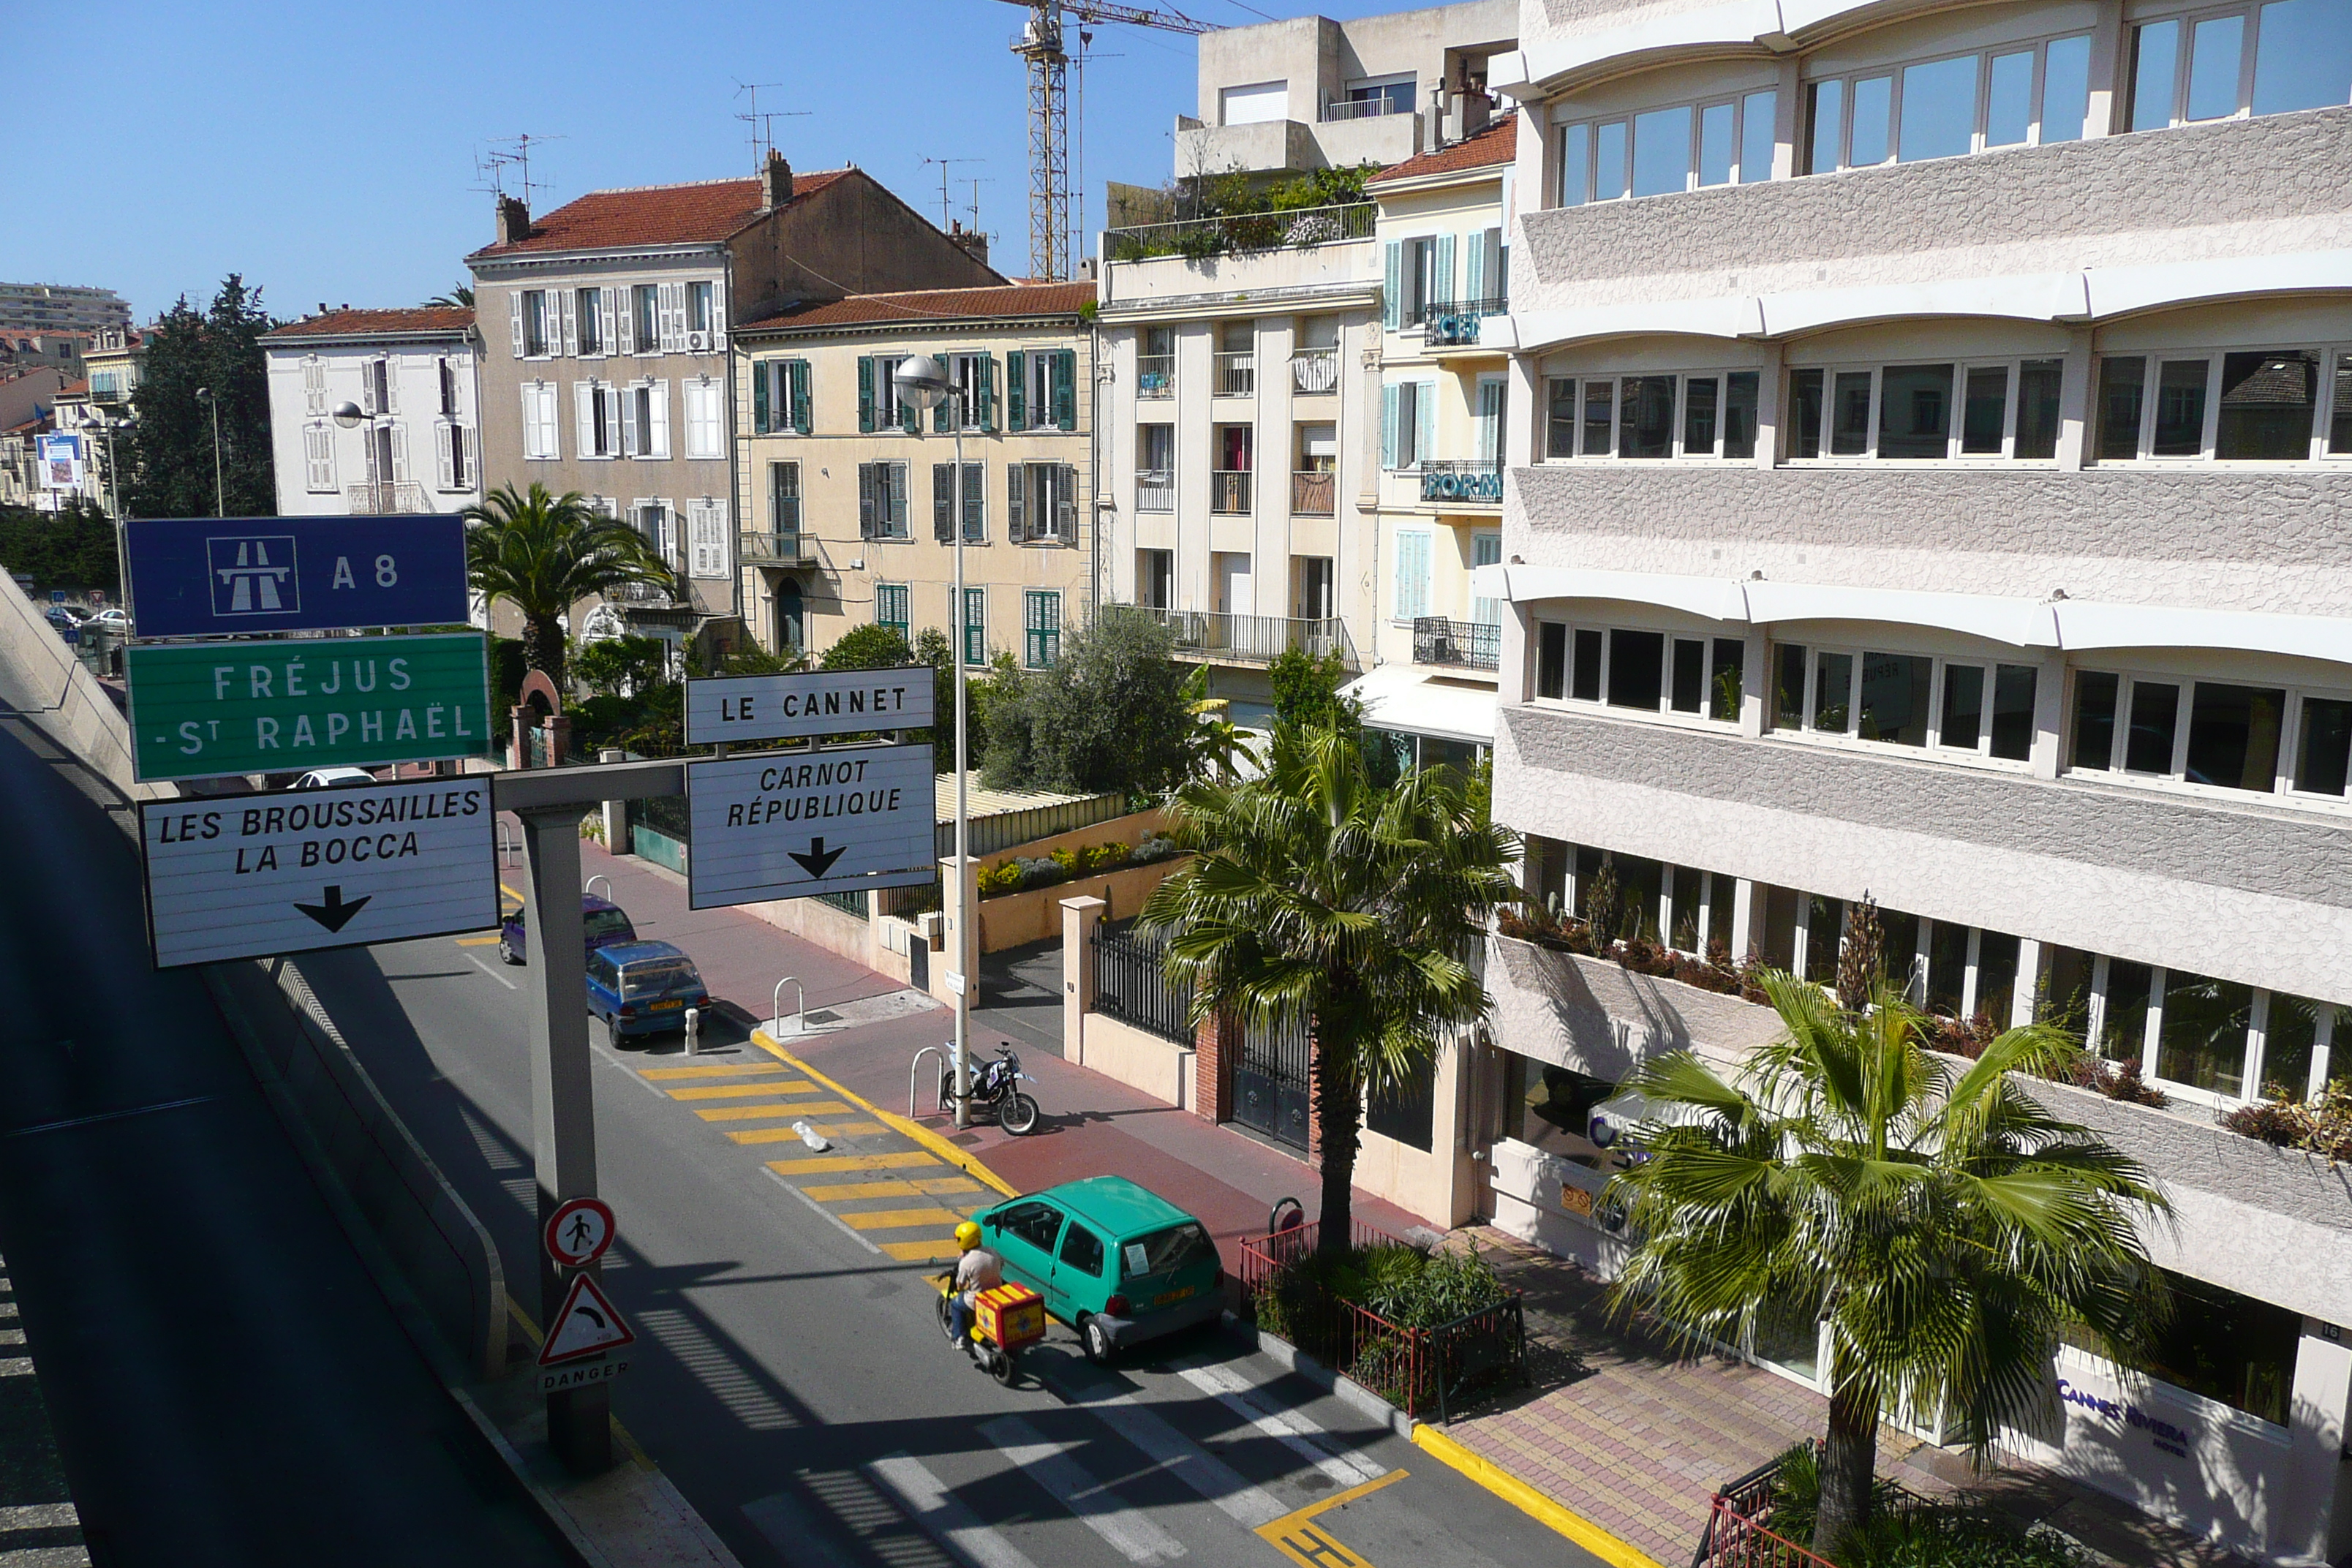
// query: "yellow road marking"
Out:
[823,1130]
[737,1091]
[1297,1537]
[793,1108]
[920,1187]
[511,893]
[721,1070]
[920,1251]
[939,1147]
[900,1219]
[477,940]
[1531,1502]
[825,1164]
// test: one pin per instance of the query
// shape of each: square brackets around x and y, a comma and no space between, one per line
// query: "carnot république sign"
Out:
[784,825]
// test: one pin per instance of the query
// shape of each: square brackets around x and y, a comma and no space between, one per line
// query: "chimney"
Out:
[514,219]
[775,181]
[971,241]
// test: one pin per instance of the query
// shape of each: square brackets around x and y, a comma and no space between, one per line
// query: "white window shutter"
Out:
[391,384]
[604,318]
[567,332]
[550,422]
[445,469]
[400,452]
[514,317]
[673,317]
[624,320]
[367,388]
[314,386]
[718,314]
[633,440]
[1474,269]
[1424,414]
[658,439]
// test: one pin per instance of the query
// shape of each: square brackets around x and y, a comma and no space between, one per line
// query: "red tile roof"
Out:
[411,319]
[704,212]
[1006,302]
[1494,145]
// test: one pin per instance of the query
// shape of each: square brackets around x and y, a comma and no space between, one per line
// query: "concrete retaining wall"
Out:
[41,679]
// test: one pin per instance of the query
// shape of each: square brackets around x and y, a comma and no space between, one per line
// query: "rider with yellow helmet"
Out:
[979,1270]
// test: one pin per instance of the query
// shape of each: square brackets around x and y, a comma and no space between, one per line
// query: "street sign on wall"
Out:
[731,709]
[787,825]
[252,876]
[200,710]
[208,577]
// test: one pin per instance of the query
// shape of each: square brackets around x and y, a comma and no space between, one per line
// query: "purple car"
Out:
[607,923]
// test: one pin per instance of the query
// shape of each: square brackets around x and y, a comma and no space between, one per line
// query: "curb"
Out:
[923,1135]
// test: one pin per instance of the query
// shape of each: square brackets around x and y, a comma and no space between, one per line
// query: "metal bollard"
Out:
[693,1028]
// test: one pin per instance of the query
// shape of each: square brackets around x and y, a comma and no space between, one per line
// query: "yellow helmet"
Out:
[967,1236]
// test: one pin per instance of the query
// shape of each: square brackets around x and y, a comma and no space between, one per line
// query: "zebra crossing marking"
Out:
[1128,1531]
[950,1520]
[783,1108]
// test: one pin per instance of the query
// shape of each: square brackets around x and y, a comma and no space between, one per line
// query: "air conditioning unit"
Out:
[697,343]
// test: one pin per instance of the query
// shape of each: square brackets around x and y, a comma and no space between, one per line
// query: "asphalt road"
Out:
[226,1384]
[791,1379]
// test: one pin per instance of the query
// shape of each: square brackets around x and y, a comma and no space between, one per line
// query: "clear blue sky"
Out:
[327,151]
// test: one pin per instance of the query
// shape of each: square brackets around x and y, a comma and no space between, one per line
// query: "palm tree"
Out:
[1315,895]
[459,294]
[544,553]
[1946,1229]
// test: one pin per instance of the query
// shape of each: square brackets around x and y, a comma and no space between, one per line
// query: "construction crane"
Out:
[1040,44]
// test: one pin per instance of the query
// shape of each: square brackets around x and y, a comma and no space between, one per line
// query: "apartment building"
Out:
[1445,375]
[850,495]
[406,380]
[1928,436]
[28,309]
[113,358]
[607,326]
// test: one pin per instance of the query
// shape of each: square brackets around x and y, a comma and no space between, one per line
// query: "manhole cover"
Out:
[824,1016]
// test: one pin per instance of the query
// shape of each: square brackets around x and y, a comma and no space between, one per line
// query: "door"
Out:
[1233,582]
[1270,1081]
[1077,1286]
[1485,550]
[1024,1235]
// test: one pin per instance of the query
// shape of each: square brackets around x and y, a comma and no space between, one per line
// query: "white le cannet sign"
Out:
[729,710]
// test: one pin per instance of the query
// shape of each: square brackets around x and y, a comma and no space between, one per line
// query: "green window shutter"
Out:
[1388,426]
[946,404]
[943,502]
[987,392]
[759,372]
[1474,269]
[802,422]
[894,478]
[1015,511]
[1391,305]
[1441,285]
[865,394]
[975,500]
[866,499]
[1065,390]
[1069,506]
[910,419]
[1016,392]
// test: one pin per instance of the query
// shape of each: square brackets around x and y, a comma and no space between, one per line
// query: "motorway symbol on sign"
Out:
[585,1325]
[200,710]
[251,876]
[579,1231]
[741,709]
[785,824]
[200,576]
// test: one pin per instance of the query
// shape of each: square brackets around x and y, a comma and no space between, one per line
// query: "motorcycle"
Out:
[1006,1321]
[996,1085]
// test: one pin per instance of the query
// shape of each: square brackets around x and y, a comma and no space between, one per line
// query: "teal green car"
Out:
[1117,1263]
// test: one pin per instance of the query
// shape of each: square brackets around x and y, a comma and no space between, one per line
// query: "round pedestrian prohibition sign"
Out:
[579,1231]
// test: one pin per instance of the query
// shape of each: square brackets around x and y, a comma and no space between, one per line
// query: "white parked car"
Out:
[333,778]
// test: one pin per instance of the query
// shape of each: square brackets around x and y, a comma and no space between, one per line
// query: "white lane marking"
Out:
[1247,1505]
[938,1510]
[1131,1531]
[823,1213]
[491,973]
[1304,1437]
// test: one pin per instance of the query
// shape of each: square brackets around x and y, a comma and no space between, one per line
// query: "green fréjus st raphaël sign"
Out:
[199,709]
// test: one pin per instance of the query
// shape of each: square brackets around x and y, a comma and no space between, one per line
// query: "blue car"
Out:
[642,988]
[605,923]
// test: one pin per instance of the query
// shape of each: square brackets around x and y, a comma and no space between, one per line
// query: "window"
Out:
[1155,579]
[1082,1252]
[706,416]
[1155,468]
[975,625]
[1701,414]
[1927,413]
[890,605]
[2258,739]
[653,522]
[540,436]
[590,316]
[645,317]
[1661,151]
[1651,671]
[701,318]
[317,458]
[780,398]
[878,407]
[1041,390]
[597,409]
[1038,1223]
[1408,423]
[1041,503]
[943,502]
[1381,95]
[1412,598]
[974,398]
[2014,95]
[2286,405]
[2257,60]
[705,538]
[1406,1111]
[785,498]
[446,374]
[882,500]
[1041,627]
[1257,103]
[534,324]
[644,420]
[1420,274]
[1906,699]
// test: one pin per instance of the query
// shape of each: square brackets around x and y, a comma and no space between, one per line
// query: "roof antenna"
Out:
[763,127]
[943,163]
[505,151]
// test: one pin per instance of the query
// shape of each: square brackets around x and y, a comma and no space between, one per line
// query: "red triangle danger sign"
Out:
[585,1325]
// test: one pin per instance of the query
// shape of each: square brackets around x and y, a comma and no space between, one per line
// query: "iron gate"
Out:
[1270,1079]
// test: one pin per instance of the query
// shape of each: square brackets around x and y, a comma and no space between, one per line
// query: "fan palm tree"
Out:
[543,554]
[1315,895]
[1947,1229]
[459,294]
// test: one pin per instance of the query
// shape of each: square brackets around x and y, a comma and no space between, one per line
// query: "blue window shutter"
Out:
[1474,270]
[1424,444]
[1065,390]
[1391,304]
[943,502]
[1441,284]
[865,394]
[987,392]
[1016,393]
[1389,426]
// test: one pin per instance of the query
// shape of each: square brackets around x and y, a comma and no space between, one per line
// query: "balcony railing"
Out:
[1237,374]
[1363,109]
[1450,323]
[1311,494]
[644,596]
[1242,233]
[1315,370]
[773,549]
[384,497]
[1229,489]
[1477,481]
[1155,492]
[1254,640]
[1155,375]
[1462,645]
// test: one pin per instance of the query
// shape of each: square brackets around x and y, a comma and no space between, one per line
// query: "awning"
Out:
[1419,702]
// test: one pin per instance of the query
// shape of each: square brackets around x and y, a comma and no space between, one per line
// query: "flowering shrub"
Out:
[2323,1125]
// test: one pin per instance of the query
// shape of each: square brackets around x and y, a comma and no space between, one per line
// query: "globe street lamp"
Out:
[220,500]
[923,382]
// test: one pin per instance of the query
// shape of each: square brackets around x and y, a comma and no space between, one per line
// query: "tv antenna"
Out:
[764,126]
[510,151]
[943,163]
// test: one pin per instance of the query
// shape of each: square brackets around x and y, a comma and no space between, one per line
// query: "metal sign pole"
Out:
[966,947]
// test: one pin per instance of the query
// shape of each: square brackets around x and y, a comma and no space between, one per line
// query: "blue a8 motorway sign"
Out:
[213,577]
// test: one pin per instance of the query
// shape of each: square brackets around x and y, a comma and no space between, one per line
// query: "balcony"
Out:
[1453,323]
[652,601]
[1229,490]
[1456,645]
[1315,371]
[776,550]
[1311,494]
[1155,375]
[385,498]
[1241,234]
[1472,482]
[1336,110]
[1155,492]
[1237,374]
[1220,638]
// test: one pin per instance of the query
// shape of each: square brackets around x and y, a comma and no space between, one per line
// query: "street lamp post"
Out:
[220,500]
[923,382]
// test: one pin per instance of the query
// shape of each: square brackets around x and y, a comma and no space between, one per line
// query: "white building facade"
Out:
[412,374]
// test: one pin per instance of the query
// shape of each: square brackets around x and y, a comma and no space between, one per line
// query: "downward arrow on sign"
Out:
[335,914]
[818,858]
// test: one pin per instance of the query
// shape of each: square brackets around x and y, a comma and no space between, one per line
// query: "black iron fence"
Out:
[1467,645]
[1131,985]
[1450,323]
